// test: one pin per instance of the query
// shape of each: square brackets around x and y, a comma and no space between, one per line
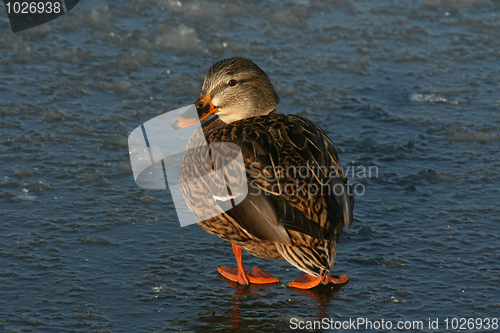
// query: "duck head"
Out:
[234,89]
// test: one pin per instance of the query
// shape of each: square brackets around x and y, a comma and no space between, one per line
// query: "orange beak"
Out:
[205,108]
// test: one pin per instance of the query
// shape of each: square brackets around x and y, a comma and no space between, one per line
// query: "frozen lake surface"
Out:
[409,88]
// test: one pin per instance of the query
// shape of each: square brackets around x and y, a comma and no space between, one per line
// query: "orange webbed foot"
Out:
[307,281]
[255,275]
[245,277]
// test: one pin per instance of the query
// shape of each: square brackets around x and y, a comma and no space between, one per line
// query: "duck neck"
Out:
[235,116]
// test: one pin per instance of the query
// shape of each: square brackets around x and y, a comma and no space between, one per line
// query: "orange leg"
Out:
[307,281]
[240,275]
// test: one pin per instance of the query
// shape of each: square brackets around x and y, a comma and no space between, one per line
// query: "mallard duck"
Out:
[298,198]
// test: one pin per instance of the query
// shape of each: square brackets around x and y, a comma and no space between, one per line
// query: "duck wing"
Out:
[316,148]
[268,217]
[273,147]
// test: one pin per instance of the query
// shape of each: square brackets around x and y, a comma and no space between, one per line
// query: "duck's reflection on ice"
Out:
[313,302]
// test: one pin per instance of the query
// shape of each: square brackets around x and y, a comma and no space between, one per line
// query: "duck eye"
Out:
[232,83]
